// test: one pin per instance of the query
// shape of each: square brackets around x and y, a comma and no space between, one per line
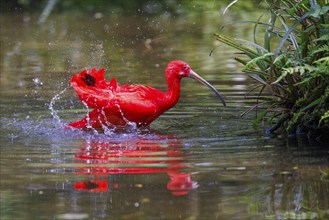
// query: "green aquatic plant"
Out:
[291,67]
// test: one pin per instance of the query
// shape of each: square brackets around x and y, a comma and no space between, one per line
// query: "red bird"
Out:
[117,105]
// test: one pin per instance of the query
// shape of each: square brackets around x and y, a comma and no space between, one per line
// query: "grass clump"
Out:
[292,65]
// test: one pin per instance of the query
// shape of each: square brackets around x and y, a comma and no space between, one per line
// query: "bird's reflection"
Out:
[138,155]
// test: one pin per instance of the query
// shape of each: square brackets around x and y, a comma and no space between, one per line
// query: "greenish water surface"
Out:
[199,160]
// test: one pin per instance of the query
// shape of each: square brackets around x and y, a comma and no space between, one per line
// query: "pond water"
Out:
[199,160]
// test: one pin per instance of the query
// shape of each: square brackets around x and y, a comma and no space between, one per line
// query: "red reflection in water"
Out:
[92,185]
[134,156]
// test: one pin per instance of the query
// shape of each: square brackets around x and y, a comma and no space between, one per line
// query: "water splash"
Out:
[108,128]
[53,112]
[130,124]
[88,119]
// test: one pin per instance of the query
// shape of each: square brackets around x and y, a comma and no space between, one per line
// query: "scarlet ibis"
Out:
[117,105]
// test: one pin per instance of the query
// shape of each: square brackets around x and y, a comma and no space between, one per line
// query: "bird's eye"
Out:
[184,67]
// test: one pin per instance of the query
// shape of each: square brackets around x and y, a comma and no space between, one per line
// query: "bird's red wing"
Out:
[113,103]
[92,88]
[91,77]
[93,97]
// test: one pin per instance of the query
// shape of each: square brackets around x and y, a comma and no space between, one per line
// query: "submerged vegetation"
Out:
[291,67]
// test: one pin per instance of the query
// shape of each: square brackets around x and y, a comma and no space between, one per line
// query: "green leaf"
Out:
[284,73]
[288,33]
[260,117]
[254,61]
[325,116]
[315,11]
[233,43]
[258,79]
[324,10]
[227,7]
[312,104]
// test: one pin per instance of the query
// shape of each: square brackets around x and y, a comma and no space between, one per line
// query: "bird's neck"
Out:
[171,96]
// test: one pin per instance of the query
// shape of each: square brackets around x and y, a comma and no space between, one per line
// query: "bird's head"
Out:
[179,69]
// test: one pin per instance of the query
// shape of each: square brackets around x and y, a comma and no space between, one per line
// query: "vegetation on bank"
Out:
[291,67]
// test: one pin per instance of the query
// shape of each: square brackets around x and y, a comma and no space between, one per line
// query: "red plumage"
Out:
[116,105]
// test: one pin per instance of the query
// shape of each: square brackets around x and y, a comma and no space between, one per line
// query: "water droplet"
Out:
[36,81]
[98,15]
[20,83]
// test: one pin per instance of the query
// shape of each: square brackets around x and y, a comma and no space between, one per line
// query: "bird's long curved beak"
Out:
[198,78]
